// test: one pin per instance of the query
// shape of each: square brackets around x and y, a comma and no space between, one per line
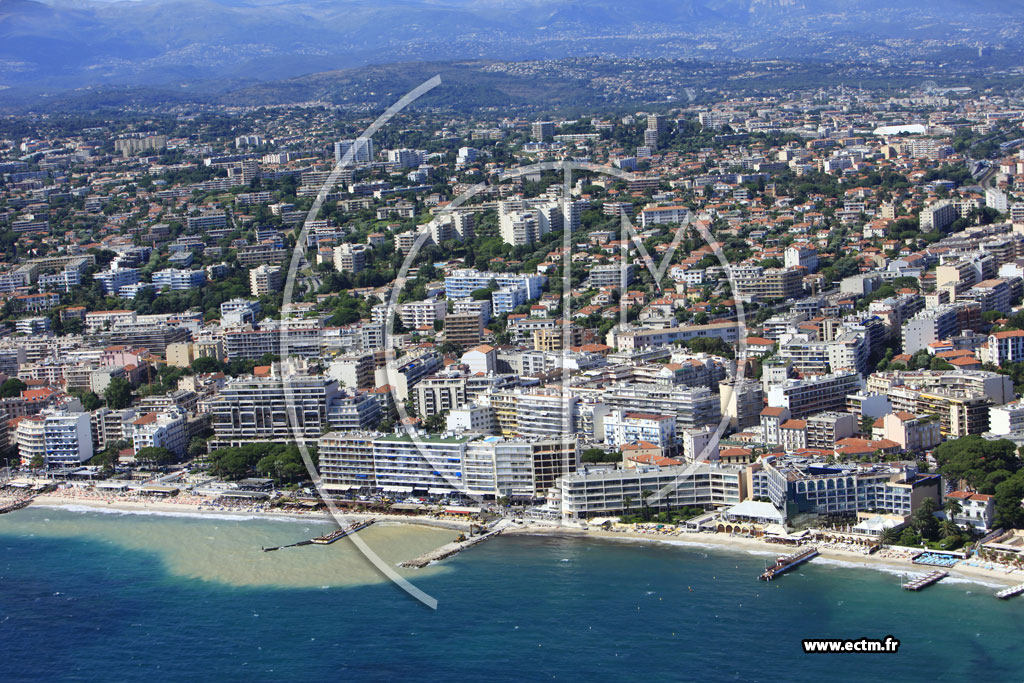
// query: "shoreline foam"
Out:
[189,511]
[750,546]
[701,541]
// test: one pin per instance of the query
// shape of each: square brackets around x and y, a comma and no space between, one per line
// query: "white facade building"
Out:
[58,437]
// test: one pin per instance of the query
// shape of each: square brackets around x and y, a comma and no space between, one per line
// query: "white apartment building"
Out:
[271,409]
[937,216]
[413,314]
[977,510]
[441,465]
[265,279]
[1003,347]
[58,437]
[929,326]
[471,418]
[349,258]
[661,215]
[179,280]
[461,284]
[524,221]
[699,443]
[546,414]
[804,397]
[363,153]
[114,279]
[801,255]
[623,427]
[598,493]
[996,199]
[630,339]
[161,430]
[97,321]
[1006,419]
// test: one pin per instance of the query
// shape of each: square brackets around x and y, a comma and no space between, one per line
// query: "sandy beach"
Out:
[894,560]
[209,508]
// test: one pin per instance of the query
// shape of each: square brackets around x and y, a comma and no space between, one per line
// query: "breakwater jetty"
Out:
[455,547]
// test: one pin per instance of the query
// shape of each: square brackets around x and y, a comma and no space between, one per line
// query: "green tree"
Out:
[118,394]
[595,455]
[948,528]
[90,401]
[866,424]
[974,459]
[890,536]
[645,496]
[710,345]
[105,459]
[155,454]
[435,424]
[923,520]
[952,507]
[206,365]
[37,462]
[483,294]
[910,538]
[1008,496]
[197,447]
[283,464]
[12,388]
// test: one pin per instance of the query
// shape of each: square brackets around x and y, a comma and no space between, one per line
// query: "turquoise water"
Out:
[89,596]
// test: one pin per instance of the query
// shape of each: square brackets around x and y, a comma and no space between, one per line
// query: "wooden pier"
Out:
[923,582]
[786,562]
[326,539]
[1010,592]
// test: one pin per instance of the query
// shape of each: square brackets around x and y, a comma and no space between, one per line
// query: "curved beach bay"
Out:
[92,595]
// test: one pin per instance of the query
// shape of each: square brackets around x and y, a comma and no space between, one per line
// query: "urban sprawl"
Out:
[750,315]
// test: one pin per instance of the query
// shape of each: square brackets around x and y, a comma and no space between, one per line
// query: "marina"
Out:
[786,562]
[923,582]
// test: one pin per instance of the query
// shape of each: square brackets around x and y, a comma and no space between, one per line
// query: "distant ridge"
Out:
[68,44]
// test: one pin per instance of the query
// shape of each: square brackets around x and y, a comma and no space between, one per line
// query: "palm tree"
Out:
[953,508]
[890,536]
[948,528]
[644,495]
[627,504]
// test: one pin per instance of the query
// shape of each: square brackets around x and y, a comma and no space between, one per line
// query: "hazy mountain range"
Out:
[70,43]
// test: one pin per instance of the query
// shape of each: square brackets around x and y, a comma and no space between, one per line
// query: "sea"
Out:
[100,595]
